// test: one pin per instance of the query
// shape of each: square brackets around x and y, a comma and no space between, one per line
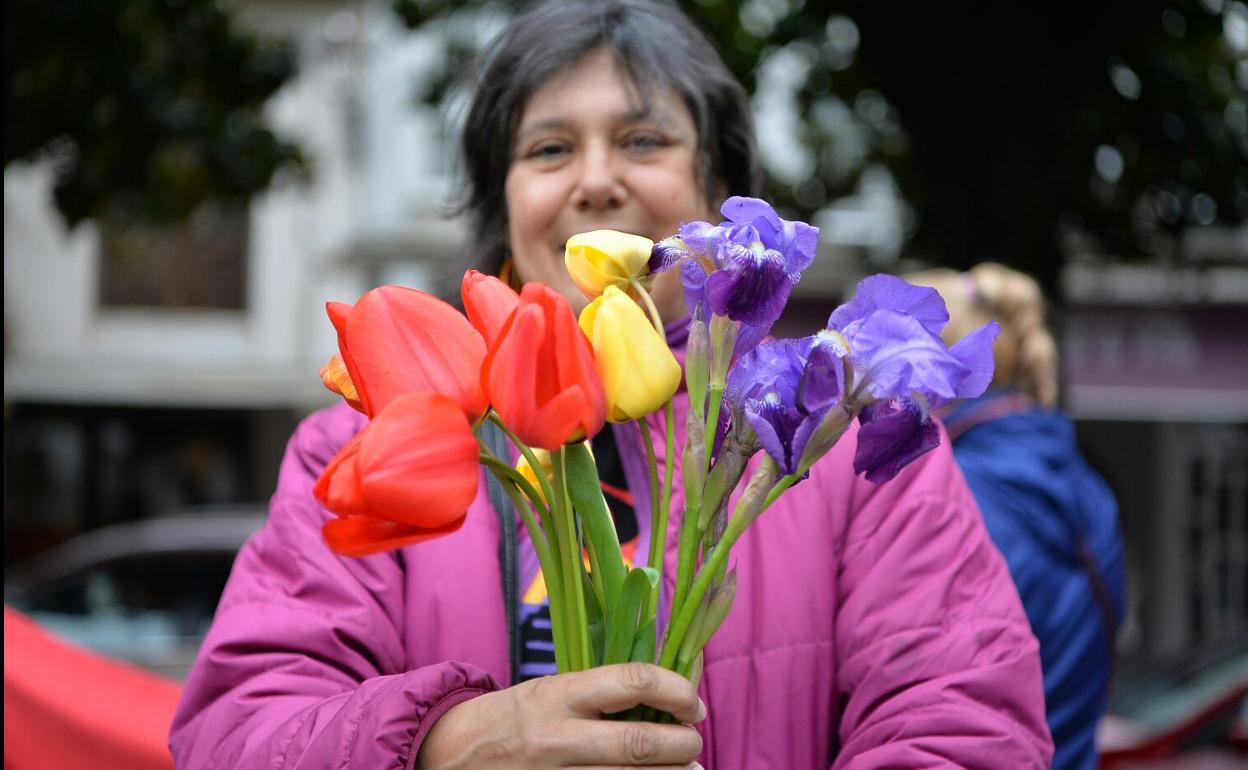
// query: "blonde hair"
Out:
[1025,353]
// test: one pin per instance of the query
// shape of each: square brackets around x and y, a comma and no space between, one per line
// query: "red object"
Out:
[408,476]
[66,708]
[540,374]
[489,303]
[1166,748]
[396,341]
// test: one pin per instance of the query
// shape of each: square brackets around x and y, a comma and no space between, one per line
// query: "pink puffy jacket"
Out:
[874,627]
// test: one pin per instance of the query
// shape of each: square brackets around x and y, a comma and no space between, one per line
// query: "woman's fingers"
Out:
[611,689]
[690,766]
[633,744]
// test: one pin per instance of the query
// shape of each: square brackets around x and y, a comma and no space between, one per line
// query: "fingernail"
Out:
[701,709]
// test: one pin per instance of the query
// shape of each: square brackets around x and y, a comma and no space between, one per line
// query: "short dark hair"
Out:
[655,43]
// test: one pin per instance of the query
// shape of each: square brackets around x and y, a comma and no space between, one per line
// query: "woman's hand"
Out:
[555,721]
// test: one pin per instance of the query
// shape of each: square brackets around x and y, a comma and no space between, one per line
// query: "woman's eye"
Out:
[548,150]
[644,141]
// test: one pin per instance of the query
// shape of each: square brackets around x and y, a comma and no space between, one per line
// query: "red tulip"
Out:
[396,341]
[540,374]
[409,475]
[489,303]
[365,536]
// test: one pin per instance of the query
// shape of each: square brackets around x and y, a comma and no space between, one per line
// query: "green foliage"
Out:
[991,121]
[1169,122]
[148,107]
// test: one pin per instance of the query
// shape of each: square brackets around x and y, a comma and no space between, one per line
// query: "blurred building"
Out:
[1155,359]
[148,371]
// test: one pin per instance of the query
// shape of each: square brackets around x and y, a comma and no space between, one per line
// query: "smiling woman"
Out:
[872,626]
[620,117]
[590,156]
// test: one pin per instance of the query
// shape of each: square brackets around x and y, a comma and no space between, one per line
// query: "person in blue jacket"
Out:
[1053,517]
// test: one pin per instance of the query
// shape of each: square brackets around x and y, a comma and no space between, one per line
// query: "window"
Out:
[201,263]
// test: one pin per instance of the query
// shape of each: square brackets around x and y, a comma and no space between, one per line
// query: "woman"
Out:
[1054,519]
[873,626]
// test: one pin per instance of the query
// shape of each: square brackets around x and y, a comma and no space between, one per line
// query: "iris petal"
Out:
[893,434]
[887,292]
[753,290]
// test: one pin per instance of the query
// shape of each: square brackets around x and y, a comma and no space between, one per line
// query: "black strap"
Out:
[1104,602]
[506,513]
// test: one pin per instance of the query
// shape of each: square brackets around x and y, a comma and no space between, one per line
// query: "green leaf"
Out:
[644,643]
[597,623]
[622,628]
[599,528]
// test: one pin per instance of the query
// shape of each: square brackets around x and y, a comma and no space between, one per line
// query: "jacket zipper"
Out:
[506,551]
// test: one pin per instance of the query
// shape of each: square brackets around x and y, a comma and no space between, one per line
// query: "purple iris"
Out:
[744,268]
[783,389]
[902,369]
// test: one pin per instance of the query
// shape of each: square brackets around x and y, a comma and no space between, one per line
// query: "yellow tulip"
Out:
[638,371]
[603,258]
[548,470]
[526,470]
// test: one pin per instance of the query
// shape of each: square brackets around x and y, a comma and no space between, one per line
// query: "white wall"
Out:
[376,173]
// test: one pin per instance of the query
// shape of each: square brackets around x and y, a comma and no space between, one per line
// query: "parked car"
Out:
[1190,715]
[143,591]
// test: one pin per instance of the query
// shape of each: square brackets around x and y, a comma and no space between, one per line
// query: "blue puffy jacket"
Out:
[1056,522]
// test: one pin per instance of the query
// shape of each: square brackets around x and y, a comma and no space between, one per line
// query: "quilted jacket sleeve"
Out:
[937,663]
[304,664]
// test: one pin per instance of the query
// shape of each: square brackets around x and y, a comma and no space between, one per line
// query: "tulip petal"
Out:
[364,536]
[337,379]
[418,461]
[638,371]
[602,258]
[510,370]
[489,303]
[401,340]
[338,487]
[540,373]
[575,360]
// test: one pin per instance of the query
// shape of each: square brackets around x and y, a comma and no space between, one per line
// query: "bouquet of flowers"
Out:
[760,410]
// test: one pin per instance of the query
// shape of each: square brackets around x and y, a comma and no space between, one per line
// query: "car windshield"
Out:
[152,611]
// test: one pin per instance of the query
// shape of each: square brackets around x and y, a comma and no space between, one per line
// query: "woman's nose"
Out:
[599,185]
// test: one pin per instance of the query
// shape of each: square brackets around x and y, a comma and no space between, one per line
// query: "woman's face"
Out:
[587,157]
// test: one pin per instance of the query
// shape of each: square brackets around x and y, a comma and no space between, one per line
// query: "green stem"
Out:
[658,532]
[528,455]
[669,445]
[489,460]
[686,652]
[712,421]
[712,567]
[655,318]
[508,473]
[686,554]
[570,548]
[689,609]
[779,488]
[550,567]
[651,603]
